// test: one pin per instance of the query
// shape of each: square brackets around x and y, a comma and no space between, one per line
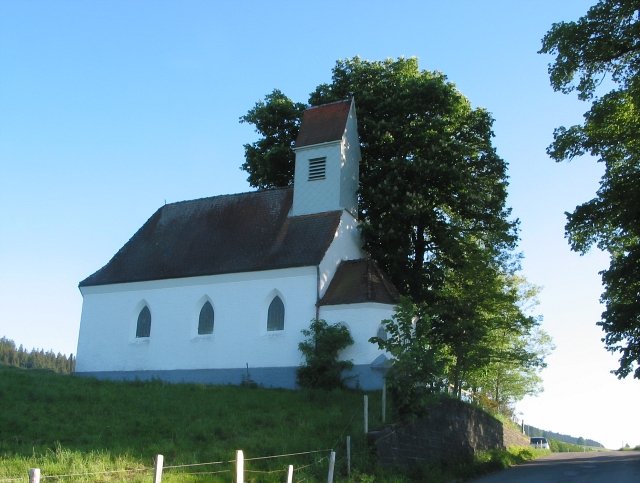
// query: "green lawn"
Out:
[102,431]
[71,425]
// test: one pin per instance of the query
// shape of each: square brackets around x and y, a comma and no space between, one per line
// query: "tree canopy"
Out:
[430,179]
[602,49]
[492,355]
[270,160]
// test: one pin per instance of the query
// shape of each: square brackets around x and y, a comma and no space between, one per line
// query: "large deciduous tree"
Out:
[433,213]
[494,353]
[514,350]
[606,42]
[478,317]
[270,160]
[430,177]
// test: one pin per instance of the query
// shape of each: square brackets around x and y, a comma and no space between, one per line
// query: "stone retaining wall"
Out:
[450,431]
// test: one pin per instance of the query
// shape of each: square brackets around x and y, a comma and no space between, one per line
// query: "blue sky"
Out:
[110,109]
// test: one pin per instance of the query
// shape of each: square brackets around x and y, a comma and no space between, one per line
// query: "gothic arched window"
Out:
[143,328]
[205,323]
[275,316]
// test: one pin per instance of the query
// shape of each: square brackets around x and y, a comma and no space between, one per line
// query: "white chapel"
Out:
[217,289]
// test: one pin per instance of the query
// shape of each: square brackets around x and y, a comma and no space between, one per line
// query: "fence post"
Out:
[157,470]
[34,475]
[239,466]
[384,401]
[366,414]
[290,474]
[332,463]
[349,456]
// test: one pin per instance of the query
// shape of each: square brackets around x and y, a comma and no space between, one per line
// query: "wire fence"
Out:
[35,475]
[75,475]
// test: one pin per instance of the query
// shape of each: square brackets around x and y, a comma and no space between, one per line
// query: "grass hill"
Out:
[106,431]
[70,425]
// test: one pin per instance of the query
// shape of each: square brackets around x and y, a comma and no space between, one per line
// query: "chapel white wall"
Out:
[350,169]
[107,339]
[346,245]
[363,321]
[322,195]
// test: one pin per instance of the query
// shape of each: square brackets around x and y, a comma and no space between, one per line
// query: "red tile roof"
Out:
[323,123]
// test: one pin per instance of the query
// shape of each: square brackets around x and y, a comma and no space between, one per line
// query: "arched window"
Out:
[275,317]
[205,324]
[382,332]
[143,329]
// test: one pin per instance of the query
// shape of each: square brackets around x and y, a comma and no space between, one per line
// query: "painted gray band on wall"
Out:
[360,376]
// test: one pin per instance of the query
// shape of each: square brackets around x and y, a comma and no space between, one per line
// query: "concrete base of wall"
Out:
[361,376]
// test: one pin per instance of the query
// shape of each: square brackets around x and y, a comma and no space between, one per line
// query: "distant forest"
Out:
[533,431]
[10,355]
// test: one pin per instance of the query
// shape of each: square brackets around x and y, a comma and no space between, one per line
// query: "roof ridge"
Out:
[230,195]
[349,100]
[310,215]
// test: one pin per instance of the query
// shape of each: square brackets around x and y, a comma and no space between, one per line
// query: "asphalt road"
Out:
[592,467]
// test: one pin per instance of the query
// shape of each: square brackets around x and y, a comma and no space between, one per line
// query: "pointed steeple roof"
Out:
[322,124]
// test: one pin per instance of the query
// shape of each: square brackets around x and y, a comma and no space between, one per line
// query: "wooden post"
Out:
[157,470]
[349,456]
[239,466]
[290,474]
[366,414]
[34,475]
[332,463]
[384,401]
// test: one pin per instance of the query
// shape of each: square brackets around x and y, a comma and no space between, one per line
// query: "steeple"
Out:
[327,160]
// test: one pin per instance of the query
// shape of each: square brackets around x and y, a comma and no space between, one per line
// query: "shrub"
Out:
[557,446]
[419,365]
[321,349]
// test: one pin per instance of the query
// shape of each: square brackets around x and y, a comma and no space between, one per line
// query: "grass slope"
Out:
[71,425]
[104,431]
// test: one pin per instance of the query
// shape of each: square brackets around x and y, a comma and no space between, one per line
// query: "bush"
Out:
[419,365]
[557,446]
[321,349]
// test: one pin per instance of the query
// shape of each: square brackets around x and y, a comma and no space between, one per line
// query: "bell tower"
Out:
[327,160]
